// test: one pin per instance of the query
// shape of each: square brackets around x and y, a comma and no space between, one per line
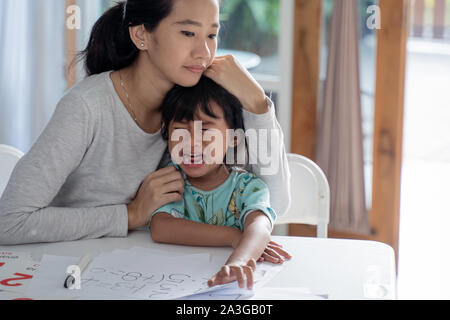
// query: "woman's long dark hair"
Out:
[110,46]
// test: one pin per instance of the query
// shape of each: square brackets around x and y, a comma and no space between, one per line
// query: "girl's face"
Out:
[201,150]
[184,43]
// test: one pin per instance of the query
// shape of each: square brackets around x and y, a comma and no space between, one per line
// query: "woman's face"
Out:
[184,43]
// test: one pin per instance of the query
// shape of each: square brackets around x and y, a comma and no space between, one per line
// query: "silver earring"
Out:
[142,44]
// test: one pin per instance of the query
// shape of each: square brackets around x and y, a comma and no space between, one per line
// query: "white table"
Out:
[343,269]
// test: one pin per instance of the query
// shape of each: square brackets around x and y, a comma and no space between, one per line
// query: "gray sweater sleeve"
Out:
[25,212]
[267,156]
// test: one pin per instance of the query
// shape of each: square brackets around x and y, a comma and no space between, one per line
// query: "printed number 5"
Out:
[21,277]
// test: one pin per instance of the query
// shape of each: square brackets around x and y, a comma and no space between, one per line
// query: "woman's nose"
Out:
[202,50]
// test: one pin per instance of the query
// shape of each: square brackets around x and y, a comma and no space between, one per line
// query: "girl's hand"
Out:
[235,271]
[274,253]
[158,188]
[227,72]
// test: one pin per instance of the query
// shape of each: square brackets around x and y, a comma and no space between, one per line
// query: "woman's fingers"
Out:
[174,186]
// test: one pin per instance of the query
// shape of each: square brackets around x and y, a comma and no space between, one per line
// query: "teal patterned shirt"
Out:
[226,205]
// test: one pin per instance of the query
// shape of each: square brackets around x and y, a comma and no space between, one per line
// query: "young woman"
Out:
[95,169]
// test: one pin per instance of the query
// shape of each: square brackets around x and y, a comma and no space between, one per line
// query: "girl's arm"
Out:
[165,228]
[254,240]
[242,262]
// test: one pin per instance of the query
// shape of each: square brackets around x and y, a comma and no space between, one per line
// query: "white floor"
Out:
[424,248]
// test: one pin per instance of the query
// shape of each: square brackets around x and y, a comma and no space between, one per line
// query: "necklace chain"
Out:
[128,98]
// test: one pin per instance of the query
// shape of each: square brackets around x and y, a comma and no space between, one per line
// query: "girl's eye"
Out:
[213,36]
[188,33]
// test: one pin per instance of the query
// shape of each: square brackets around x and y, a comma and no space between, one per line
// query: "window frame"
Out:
[282,84]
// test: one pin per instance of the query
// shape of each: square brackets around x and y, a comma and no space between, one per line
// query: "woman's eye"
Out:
[213,36]
[188,33]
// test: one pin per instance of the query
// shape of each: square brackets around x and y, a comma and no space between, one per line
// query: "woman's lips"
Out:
[195,69]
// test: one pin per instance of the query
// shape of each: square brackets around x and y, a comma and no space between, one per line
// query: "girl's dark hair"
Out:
[110,46]
[181,103]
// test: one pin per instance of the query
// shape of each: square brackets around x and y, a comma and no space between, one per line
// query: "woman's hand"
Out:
[232,271]
[158,188]
[227,72]
[274,253]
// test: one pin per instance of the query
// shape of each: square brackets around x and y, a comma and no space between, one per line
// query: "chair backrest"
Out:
[9,157]
[310,195]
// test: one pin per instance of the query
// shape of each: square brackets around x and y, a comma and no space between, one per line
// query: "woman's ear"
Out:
[138,36]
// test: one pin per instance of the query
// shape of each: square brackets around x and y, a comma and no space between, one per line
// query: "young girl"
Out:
[221,205]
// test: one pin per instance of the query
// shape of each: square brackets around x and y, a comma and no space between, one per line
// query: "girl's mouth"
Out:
[193,160]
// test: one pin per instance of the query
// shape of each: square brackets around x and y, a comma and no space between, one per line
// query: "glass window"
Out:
[252,26]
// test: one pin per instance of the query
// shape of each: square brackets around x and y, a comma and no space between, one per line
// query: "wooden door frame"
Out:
[389,103]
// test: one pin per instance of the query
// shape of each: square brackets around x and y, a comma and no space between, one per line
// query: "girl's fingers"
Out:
[225,271]
[239,273]
[275,244]
[273,253]
[252,264]
[269,258]
[230,273]
[249,275]
[282,252]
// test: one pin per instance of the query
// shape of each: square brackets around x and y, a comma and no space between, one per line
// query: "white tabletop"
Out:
[343,269]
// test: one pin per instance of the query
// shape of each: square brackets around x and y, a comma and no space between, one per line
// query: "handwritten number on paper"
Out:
[131,276]
[176,277]
[22,276]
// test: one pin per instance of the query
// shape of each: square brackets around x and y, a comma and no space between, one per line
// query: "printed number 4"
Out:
[22,276]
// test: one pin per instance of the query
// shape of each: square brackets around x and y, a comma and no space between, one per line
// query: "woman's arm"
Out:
[165,228]
[25,212]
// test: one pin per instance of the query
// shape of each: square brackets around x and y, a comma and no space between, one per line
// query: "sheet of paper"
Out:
[141,273]
[146,276]
[16,271]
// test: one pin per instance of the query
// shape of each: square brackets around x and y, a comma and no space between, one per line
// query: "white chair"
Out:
[9,157]
[310,195]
